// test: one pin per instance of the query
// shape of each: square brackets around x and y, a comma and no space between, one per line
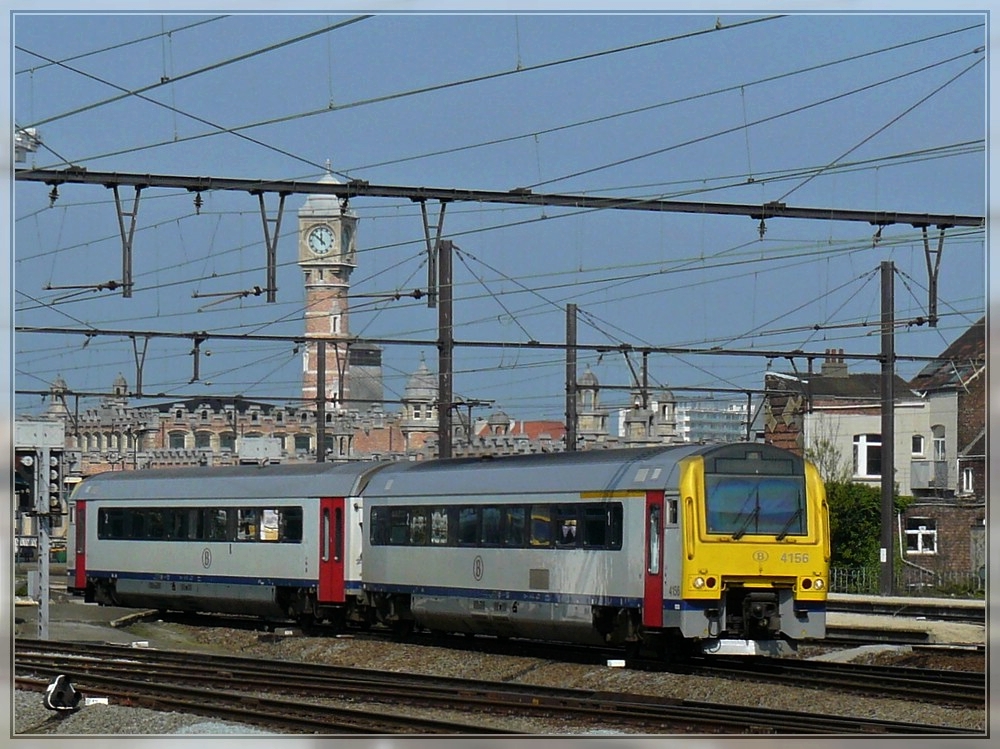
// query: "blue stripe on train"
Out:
[206,579]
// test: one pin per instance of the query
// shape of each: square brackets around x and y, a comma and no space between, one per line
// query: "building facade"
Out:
[939,422]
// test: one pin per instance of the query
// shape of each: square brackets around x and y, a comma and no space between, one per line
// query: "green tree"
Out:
[856,523]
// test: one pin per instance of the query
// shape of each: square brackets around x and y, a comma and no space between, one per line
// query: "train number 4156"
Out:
[798,557]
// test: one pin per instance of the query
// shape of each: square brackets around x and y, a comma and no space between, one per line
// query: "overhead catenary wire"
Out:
[485,282]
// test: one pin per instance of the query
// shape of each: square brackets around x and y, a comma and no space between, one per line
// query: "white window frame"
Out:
[924,536]
[918,445]
[968,480]
[862,444]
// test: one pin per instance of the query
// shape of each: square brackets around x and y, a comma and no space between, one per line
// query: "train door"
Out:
[652,600]
[331,550]
[80,546]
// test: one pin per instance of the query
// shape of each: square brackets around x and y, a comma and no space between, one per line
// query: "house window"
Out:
[868,455]
[918,445]
[177,440]
[302,443]
[921,536]
[939,448]
[203,440]
[968,481]
[227,441]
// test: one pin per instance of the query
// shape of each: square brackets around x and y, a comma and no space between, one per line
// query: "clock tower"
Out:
[327,257]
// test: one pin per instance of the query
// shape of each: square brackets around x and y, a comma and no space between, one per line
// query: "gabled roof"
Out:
[957,364]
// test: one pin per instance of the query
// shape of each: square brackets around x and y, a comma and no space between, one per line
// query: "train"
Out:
[711,548]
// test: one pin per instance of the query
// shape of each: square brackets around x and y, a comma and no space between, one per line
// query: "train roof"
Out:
[238,482]
[636,469]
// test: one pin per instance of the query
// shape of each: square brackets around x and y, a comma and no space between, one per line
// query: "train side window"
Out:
[597,526]
[566,526]
[290,524]
[439,526]
[418,526]
[248,524]
[514,525]
[468,526]
[216,525]
[269,525]
[138,526]
[615,526]
[653,540]
[541,525]
[379,526]
[491,526]
[672,511]
[111,524]
[325,535]
[399,526]
[338,535]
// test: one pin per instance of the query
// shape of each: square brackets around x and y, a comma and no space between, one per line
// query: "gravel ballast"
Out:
[31,717]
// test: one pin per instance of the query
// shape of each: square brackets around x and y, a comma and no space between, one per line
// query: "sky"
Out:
[849,111]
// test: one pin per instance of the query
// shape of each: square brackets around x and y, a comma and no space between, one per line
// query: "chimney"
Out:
[833,365]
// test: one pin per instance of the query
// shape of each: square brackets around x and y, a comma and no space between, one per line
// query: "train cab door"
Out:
[652,599]
[331,550]
[80,547]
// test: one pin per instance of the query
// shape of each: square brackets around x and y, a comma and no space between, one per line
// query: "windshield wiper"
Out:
[788,524]
[738,534]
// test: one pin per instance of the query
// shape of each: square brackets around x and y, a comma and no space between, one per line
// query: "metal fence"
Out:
[909,581]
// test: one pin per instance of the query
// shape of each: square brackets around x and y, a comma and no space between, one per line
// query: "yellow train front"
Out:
[751,546]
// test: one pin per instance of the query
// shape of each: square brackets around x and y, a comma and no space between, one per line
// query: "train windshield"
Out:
[758,505]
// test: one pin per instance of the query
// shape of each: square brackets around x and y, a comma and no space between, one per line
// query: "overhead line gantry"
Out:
[518,196]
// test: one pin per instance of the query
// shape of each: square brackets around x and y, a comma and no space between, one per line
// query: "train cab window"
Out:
[399,526]
[439,526]
[491,526]
[566,525]
[418,526]
[541,525]
[468,526]
[514,525]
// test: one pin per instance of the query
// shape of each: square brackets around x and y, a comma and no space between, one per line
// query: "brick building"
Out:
[834,418]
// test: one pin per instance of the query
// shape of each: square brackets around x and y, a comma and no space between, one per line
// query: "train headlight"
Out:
[699,582]
[819,585]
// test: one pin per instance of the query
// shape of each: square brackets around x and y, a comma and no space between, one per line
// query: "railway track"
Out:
[965,688]
[176,680]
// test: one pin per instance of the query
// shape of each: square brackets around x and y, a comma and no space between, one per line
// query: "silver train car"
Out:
[270,541]
[723,548]
[726,547]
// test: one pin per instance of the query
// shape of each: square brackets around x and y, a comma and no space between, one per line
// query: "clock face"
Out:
[321,240]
